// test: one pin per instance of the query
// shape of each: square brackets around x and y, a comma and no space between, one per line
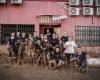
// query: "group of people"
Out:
[48,49]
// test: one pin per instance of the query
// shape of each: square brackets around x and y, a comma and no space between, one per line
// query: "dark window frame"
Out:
[7,29]
[87,35]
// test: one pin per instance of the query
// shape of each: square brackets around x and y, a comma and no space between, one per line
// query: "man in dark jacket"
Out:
[12,46]
[56,58]
[64,38]
[81,59]
[54,41]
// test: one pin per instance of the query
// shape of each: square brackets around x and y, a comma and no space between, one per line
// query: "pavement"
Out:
[93,62]
[27,72]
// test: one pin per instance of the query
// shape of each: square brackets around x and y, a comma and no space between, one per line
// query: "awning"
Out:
[55,18]
[48,20]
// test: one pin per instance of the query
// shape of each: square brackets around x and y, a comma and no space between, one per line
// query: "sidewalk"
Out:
[94,62]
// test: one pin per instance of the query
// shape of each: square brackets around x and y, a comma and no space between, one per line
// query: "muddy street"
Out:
[27,72]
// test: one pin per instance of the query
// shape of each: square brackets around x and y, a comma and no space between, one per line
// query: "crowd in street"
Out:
[49,50]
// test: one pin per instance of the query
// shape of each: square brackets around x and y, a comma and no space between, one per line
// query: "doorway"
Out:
[52,29]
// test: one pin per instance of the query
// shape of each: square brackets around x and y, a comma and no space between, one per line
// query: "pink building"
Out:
[38,16]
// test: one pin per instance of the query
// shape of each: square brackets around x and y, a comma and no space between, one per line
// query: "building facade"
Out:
[38,16]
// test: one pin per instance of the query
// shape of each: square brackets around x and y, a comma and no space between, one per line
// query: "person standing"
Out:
[35,38]
[18,36]
[23,38]
[22,49]
[64,38]
[18,40]
[49,35]
[54,41]
[11,46]
[70,47]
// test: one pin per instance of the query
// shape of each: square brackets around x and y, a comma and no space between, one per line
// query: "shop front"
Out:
[46,23]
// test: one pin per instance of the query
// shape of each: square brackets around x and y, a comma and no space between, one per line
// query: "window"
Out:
[7,29]
[87,35]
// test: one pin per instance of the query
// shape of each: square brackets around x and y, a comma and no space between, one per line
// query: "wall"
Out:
[28,13]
